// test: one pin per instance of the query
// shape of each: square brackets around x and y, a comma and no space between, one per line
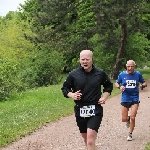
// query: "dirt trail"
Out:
[64,134]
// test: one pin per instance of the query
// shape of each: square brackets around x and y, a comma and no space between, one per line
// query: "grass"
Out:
[29,110]
[147,147]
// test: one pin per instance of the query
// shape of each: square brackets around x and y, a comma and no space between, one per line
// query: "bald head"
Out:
[130,66]
[86,60]
[86,52]
[130,62]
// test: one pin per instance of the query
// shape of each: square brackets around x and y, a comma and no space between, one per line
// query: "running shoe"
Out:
[129,138]
[128,122]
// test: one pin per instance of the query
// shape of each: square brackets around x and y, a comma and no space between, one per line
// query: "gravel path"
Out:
[64,134]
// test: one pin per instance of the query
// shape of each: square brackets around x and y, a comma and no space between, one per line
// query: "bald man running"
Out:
[129,82]
[83,85]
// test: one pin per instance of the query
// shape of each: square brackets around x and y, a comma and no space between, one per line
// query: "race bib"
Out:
[130,83]
[87,111]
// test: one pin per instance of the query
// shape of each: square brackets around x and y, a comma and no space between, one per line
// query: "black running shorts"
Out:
[129,104]
[88,122]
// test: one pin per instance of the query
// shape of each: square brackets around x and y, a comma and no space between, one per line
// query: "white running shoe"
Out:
[128,122]
[129,138]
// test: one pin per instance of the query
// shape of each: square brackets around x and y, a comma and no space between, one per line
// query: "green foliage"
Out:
[77,22]
[26,65]
[100,56]
[148,64]
[147,147]
[45,38]
[9,80]
[137,48]
[14,48]
[145,73]
[44,69]
[120,16]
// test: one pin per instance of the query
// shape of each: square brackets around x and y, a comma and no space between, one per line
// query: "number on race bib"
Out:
[87,111]
[131,83]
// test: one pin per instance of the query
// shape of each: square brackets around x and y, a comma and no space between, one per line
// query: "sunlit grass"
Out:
[30,110]
[147,147]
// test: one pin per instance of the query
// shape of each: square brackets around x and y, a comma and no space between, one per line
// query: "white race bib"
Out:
[87,111]
[131,83]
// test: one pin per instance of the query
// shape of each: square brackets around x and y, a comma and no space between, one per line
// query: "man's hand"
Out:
[102,100]
[142,86]
[122,88]
[76,96]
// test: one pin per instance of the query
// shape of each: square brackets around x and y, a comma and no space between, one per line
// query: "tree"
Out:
[79,22]
[124,16]
[46,64]
[14,48]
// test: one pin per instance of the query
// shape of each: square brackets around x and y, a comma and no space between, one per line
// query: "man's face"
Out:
[86,61]
[130,67]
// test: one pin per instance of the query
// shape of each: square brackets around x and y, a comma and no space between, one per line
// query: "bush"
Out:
[44,69]
[9,81]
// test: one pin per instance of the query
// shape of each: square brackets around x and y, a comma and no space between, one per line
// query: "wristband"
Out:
[142,87]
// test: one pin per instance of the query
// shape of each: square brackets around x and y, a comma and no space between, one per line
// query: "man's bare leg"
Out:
[84,135]
[134,109]
[124,113]
[89,139]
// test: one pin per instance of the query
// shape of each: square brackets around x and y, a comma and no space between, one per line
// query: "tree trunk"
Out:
[120,55]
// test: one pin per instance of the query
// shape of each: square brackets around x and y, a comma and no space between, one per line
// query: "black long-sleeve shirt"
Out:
[89,83]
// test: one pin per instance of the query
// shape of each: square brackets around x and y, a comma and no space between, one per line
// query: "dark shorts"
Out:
[129,104]
[88,122]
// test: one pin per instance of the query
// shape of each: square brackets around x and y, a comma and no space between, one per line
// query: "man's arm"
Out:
[75,96]
[106,95]
[143,85]
[117,85]
[104,98]
[67,87]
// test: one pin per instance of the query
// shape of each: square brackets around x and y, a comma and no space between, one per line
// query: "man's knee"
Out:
[132,117]
[90,143]
[124,119]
